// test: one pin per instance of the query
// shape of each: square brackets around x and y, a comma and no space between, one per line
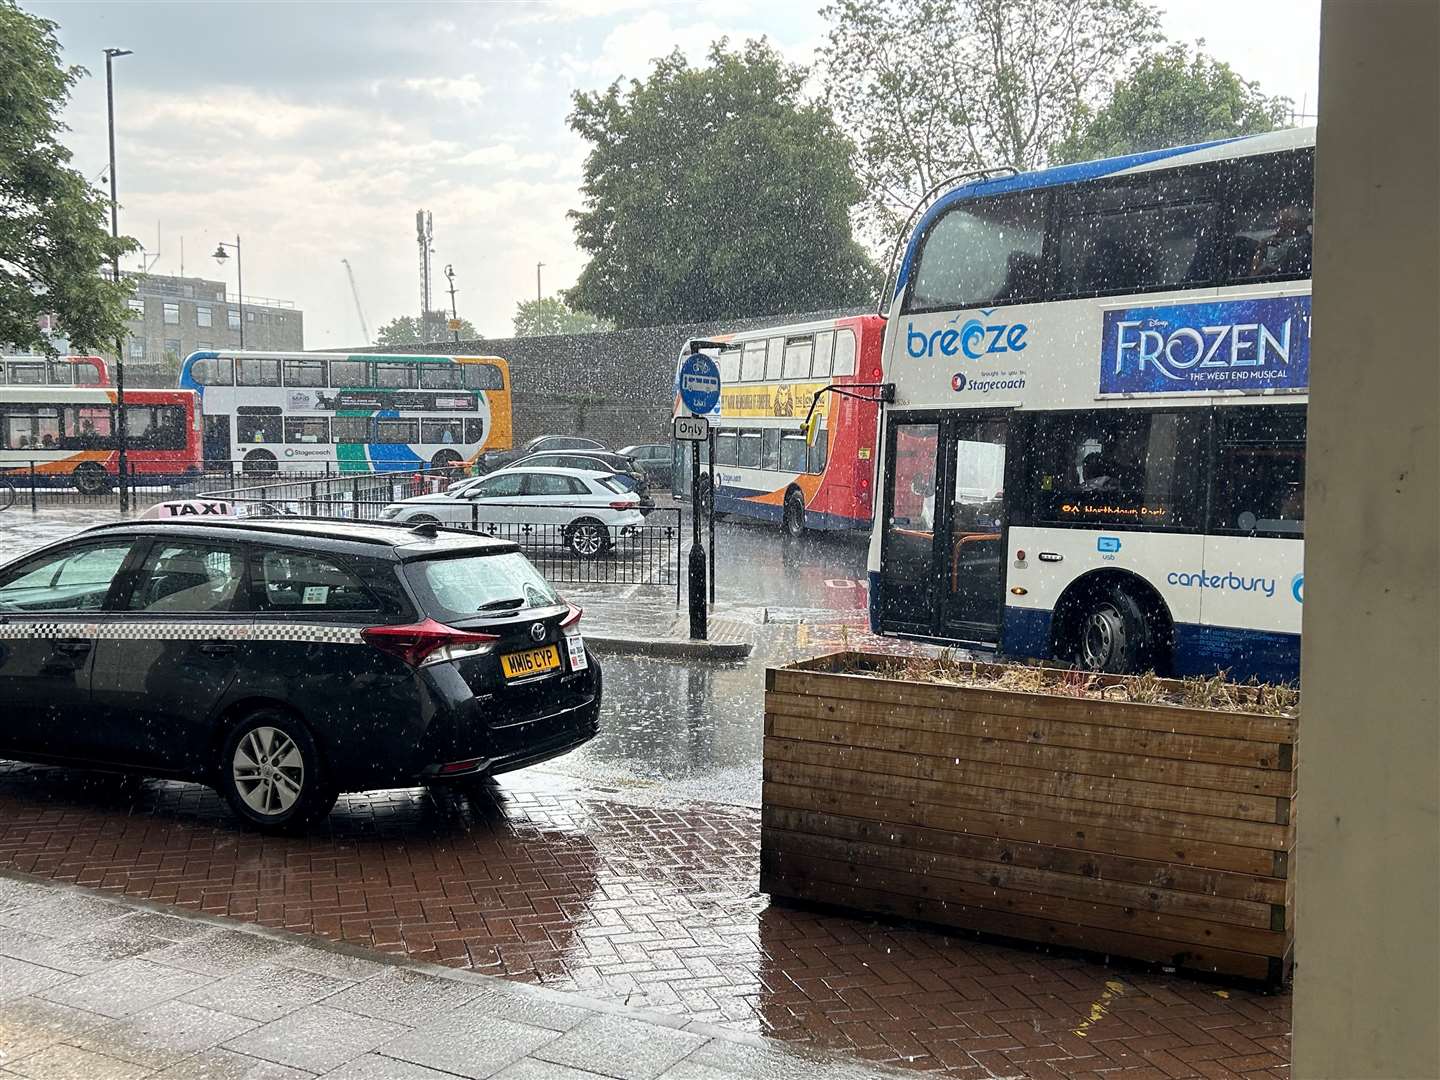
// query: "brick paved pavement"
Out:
[650,906]
[101,988]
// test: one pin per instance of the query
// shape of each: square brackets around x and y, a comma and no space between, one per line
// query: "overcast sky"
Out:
[316,130]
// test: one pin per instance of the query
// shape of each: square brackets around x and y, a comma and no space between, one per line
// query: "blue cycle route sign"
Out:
[699,384]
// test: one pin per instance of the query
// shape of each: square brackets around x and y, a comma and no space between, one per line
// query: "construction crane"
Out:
[355,292]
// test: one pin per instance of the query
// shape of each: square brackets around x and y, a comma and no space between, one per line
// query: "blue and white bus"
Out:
[299,412]
[1096,449]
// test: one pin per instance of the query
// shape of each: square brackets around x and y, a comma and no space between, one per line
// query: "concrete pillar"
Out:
[1367,986]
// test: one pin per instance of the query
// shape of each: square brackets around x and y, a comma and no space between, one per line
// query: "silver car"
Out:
[584,511]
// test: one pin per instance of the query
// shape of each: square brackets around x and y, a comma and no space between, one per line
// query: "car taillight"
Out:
[428,642]
[570,625]
[623,504]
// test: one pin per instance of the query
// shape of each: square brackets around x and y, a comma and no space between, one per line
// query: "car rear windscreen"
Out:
[460,588]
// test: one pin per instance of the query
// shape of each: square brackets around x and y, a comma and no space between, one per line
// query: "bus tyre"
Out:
[271,774]
[260,463]
[447,461]
[587,538]
[90,479]
[794,521]
[1114,635]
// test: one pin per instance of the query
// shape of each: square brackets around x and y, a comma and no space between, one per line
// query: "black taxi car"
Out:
[286,661]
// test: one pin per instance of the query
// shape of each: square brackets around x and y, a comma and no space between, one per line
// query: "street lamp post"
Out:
[220,257]
[120,425]
[538,265]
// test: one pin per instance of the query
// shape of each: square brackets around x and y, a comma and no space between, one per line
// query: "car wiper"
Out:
[495,605]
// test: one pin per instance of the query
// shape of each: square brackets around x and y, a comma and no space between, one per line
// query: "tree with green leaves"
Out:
[715,192]
[933,88]
[1174,98]
[551,315]
[54,238]
[406,330]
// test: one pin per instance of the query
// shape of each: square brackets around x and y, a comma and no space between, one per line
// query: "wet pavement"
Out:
[112,990]
[650,906]
[628,871]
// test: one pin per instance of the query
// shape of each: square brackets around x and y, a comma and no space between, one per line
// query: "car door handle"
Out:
[74,646]
[217,648]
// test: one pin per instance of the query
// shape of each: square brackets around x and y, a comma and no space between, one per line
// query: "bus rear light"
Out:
[1020,555]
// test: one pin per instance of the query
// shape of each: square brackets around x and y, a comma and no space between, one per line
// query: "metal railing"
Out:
[578,547]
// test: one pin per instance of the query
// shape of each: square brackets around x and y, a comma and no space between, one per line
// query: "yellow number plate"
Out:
[518,665]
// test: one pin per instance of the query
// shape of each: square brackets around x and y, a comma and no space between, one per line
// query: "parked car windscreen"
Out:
[461,587]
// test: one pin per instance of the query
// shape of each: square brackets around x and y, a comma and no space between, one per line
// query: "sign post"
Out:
[699,380]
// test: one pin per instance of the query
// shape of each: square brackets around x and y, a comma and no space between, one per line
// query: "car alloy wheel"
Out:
[587,539]
[269,771]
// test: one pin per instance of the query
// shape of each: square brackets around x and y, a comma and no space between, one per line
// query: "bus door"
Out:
[217,444]
[907,544]
[971,570]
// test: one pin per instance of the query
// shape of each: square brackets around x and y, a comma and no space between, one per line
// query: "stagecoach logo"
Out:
[1249,345]
[976,338]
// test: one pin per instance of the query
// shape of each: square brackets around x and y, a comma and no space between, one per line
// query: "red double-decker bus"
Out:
[53,371]
[61,436]
[765,467]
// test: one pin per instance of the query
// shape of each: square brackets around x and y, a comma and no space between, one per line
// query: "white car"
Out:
[585,511]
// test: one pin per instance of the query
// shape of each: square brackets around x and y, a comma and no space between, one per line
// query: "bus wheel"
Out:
[90,479]
[1114,635]
[448,461]
[260,463]
[587,538]
[794,522]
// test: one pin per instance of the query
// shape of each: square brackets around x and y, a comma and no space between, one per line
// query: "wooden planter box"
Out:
[1152,832]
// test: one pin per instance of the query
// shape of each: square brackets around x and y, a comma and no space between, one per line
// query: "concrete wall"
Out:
[1367,991]
[617,387]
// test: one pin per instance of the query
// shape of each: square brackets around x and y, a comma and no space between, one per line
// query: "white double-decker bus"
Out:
[292,412]
[1096,450]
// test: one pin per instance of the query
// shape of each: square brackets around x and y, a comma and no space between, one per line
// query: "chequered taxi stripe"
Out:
[181,630]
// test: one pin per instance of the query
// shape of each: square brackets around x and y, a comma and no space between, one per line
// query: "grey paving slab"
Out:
[403,996]
[316,1038]
[164,1034]
[64,1062]
[15,893]
[20,977]
[28,1025]
[171,927]
[378,1067]
[127,987]
[698,1070]
[95,950]
[332,962]
[532,1069]
[220,1064]
[267,992]
[503,1001]
[220,952]
[62,914]
[622,1047]
[461,1046]
[23,945]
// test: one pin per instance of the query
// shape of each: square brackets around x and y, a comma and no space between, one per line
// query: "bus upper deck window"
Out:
[798,353]
[29,374]
[395,376]
[752,362]
[483,376]
[252,372]
[981,251]
[824,354]
[844,353]
[441,376]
